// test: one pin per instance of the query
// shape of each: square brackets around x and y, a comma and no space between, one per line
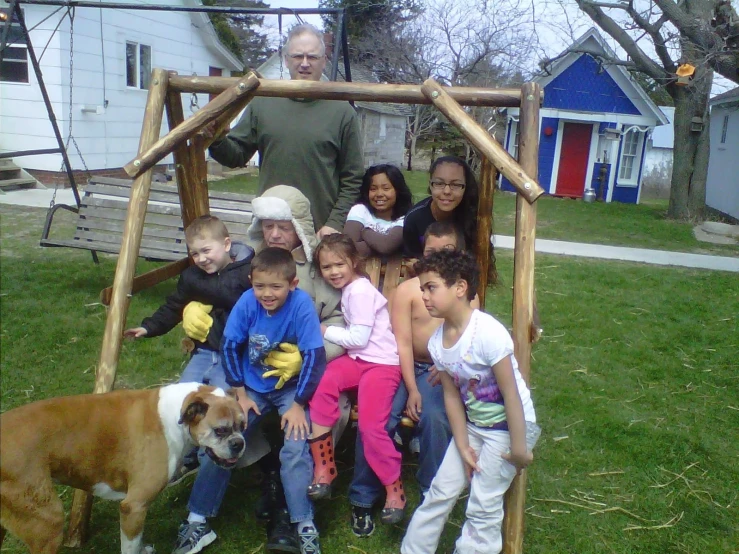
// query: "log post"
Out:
[222,103]
[481,139]
[181,155]
[523,297]
[115,323]
[488,175]
[199,168]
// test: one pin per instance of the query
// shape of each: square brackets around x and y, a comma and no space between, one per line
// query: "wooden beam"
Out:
[199,174]
[182,162]
[149,279]
[360,92]
[488,175]
[115,323]
[481,139]
[523,298]
[148,158]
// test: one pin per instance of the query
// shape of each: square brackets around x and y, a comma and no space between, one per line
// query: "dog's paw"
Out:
[148,549]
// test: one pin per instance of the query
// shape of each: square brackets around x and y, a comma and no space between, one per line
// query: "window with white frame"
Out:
[14,64]
[629,167]
[138,65]
[724,129]
[515,133]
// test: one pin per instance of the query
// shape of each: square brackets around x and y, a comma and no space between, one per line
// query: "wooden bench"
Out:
[102,216]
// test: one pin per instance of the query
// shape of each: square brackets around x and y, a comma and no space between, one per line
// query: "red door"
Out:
[573,160]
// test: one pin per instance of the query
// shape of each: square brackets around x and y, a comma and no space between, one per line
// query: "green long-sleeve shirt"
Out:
[313,145]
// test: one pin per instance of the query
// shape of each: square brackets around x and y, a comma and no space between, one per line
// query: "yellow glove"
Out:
[287,363]
[196,322]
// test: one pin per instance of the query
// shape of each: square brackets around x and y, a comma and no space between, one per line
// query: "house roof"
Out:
[725,98]
[202,21]
[592,41]
[363,75]
[664,135]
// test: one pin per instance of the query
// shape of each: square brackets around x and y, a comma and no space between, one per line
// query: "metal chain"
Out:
[279,51]
[70,138]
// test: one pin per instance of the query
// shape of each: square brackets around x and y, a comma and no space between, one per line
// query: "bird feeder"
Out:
[696,125]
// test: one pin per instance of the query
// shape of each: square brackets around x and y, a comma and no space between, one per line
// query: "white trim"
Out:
[202,21]
[613,156]
[592,156]
[557,154]
[594,117]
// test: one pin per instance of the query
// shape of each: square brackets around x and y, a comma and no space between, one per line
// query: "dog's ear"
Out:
[194,409]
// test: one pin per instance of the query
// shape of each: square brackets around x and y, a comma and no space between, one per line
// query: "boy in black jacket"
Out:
[218,277]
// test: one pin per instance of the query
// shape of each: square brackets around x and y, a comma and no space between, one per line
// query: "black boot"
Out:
[272,496]
[281,535]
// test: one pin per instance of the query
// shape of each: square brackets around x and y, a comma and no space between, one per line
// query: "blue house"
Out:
[594,125]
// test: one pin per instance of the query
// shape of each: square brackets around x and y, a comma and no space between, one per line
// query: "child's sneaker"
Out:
[309,540]
[193,537]
[362,524]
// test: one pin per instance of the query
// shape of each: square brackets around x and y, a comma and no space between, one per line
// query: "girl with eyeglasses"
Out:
[376,223]
[454,195]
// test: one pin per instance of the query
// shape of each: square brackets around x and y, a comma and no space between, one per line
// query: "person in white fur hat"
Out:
[281,217]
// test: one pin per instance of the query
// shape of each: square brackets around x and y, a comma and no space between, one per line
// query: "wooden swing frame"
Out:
[188,147]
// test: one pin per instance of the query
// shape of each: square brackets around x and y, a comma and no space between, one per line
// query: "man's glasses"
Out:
[441,185]
[312,58]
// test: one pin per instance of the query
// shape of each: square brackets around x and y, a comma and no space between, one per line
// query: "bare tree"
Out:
[658,36]
[457,42]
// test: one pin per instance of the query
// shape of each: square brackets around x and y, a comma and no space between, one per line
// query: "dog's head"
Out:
[216,422]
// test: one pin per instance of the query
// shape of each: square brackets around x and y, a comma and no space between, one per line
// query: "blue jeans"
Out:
[296,472]
[434,435]
[205,366]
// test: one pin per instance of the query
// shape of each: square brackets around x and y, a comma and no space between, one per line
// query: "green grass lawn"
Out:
[634,382]
[642,226]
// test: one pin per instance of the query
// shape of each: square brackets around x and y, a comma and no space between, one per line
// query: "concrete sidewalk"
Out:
[641,255]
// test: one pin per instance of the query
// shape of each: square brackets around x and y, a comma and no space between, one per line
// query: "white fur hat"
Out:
[284,203]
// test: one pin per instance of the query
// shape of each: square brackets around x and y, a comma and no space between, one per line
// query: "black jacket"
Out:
[220,290]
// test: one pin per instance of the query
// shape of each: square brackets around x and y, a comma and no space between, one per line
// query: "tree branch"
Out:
[642,61]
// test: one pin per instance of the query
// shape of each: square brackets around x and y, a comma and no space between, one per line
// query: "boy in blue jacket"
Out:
[272,312]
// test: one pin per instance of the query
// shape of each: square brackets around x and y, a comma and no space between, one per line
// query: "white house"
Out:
[594,125]
[111,53]
[658,160]
[722,184]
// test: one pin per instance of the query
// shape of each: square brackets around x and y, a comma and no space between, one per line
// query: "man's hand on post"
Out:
[325,231]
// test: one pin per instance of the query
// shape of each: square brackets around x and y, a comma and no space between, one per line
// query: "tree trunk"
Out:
[411,151]
[691,148]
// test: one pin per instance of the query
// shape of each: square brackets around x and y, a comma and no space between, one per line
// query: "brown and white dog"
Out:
[124,445]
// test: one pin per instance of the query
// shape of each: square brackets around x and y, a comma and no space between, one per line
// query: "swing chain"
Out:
[279,52]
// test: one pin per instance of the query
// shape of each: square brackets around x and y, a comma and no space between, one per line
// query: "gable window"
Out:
[138,65]
[14,65]
[724,128]
[629,167]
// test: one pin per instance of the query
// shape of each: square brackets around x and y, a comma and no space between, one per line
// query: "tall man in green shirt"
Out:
[313,145]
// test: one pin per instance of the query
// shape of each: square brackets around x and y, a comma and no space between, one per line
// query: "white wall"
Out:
[722,185]
[109,137]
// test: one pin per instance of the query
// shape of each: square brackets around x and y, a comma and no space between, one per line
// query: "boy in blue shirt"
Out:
[272,312]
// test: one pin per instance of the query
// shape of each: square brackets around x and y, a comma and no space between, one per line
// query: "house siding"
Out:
[585,86]
[547,148]
[722,184]
[109,137]
[382,150]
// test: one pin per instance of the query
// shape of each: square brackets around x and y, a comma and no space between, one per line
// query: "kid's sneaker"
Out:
[308,537]
[362,524]
[193,537]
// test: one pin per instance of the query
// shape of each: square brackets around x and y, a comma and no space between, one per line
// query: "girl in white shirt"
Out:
[376,223]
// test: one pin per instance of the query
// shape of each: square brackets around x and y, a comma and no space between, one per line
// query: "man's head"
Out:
[305,53]
[442,235]
[208,243]
[273,276]
[449,280]
[280,234]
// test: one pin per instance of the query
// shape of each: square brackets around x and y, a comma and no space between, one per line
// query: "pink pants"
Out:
[376,385]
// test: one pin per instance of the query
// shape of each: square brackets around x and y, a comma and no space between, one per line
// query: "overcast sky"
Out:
[553,34]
